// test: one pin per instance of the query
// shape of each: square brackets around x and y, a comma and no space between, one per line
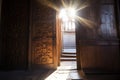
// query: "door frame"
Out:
[58,39]
[59,42]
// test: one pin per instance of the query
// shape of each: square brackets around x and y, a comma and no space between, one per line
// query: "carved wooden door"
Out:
[43,38]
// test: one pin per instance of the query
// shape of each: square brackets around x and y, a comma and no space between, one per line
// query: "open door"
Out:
[66,36]
[43,36]
[98,44]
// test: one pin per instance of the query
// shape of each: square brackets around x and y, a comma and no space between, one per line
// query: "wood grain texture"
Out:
[100,57]
[98,48]
[14,34]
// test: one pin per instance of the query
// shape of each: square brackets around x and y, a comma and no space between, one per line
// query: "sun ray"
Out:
[82,7]
[77,5]
[64,4]
[71,2]
[49,4]
[83,21]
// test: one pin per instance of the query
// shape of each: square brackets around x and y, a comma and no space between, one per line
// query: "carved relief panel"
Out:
[43,51]
[43,32]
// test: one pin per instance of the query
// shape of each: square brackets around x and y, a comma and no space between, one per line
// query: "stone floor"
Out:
[63,72]
[67,71]
[23,75]
[65,75]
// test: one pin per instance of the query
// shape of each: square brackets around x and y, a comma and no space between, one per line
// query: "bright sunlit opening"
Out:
[63,15]
[71,12]
[67,14]
[70,8]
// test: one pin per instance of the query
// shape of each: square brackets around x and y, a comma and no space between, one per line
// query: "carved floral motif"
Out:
[42,34]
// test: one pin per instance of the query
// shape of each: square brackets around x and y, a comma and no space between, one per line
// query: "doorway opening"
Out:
[68,57]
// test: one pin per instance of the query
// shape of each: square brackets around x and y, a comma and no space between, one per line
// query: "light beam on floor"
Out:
[65,74]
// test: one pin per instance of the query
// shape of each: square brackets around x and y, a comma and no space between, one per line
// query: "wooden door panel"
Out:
[42,35]
[100,58]
[98,44]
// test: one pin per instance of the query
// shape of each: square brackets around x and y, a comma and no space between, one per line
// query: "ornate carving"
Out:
[42,34]
[43,28]
[43,51]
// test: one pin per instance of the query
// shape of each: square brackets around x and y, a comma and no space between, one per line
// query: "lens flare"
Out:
[83,21]
[69,10]
[49,4]
[67,14]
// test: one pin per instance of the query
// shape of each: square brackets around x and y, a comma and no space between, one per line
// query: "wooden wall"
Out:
[117,12]
[103,58]
[15,26]
[97,41]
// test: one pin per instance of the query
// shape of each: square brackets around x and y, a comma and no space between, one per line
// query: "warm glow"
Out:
[63,15]
[65,73]
[70,8]
[59,74]
[67,14]
[71,12]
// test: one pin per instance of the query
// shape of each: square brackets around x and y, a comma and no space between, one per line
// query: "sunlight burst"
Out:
[67,13]
[69,10]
